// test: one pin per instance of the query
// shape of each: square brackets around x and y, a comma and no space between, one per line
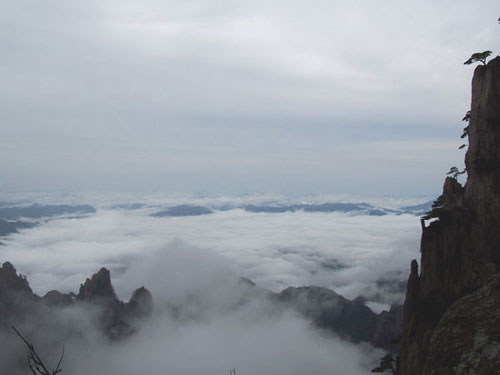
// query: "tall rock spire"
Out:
[460,256]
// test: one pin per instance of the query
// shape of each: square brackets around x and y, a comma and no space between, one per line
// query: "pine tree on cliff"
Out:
[452,307]
[478,57]
[387,364]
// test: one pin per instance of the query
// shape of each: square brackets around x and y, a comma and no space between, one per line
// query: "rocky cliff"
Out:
[117,317]
[322,307]
[332,312]
[18,303]
[451,314]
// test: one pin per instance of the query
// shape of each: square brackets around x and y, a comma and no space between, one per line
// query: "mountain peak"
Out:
[97,287]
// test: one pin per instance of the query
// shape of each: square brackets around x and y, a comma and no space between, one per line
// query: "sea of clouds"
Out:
[177,258]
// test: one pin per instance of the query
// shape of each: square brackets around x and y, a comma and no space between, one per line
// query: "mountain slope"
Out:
[460,255]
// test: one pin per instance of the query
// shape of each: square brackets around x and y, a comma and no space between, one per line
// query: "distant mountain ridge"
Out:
[276,208]
[14,218]
[37,211]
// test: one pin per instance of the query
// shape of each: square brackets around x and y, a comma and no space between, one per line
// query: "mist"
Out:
[347,253]
[203,323]
[205,320]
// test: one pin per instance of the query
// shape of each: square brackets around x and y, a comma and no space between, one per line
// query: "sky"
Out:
[220,97]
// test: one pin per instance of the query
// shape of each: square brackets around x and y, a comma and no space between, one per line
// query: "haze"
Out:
[224,97]
[192,263]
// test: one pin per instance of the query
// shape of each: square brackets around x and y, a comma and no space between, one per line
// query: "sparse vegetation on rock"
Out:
[436,210]
[387,365]
[451,309]
[478,57]
[455,172]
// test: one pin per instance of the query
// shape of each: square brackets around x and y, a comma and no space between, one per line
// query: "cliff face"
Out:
[460,257]
[18,303]
[16,296]
[331,311]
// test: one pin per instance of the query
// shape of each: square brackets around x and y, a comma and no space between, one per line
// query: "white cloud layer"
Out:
[347,253]
[190,262]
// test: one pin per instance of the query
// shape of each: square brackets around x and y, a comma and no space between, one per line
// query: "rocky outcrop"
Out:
[56,298]
[324,308]
[329,310]
[97,288]
[467,337]
[387,333]
[460,253]
[16,296]
[116,319]
[141,304]
[10,281]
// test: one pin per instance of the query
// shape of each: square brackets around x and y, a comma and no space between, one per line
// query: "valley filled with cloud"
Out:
[203,321]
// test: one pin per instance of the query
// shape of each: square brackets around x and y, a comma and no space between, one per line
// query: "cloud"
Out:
[204,322]
[279,346]
[244,339]
[348,253]
[221,97]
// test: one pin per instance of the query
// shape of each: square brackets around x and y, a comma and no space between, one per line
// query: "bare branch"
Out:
[30,366]
[35,360]
[58,370]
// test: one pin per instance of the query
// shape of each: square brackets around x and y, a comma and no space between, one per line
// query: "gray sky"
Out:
[296,97]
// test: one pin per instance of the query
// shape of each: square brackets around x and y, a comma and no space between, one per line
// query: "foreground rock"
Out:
[467,338]
[451,311]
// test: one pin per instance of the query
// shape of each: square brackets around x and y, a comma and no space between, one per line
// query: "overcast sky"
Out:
[296,97]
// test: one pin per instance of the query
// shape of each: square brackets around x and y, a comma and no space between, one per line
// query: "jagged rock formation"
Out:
[388,331]
[18,302]
[116,317]
[98,288]
[325,309]
[10,281]
[351,320]
[331,311]
[461,257]
[141,303]
[16,296]
[56,298]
